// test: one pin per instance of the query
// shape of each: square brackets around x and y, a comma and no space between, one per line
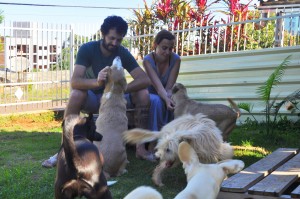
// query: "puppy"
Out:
[144,192]
[224,116]
[112,121]
[204,180]
[79,165]
[200,131]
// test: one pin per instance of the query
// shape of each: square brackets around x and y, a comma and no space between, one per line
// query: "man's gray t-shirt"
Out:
[90,56]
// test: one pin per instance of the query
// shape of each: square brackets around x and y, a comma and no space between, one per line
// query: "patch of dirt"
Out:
[28,124]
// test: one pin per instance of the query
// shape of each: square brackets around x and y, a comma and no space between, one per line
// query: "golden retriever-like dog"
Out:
[204,180]
[112,121]
[79,164]
[224,116]
[200,131]
[144,192]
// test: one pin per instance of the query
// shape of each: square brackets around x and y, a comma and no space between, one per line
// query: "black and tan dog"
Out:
[79,166]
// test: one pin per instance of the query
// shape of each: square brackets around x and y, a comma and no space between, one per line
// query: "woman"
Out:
[162,66]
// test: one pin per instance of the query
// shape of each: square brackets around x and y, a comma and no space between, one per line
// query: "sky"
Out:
[68,15]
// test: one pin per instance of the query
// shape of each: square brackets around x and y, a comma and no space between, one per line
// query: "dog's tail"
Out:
[226,151]
[144,192]
[138,135]
[68,141]
[235,107]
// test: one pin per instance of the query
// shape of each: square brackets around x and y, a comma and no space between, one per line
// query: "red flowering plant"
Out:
[202,18]
[232,37]
[179,15]
[142,23]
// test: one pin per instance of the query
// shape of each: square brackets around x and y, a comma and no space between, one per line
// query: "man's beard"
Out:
[106,46]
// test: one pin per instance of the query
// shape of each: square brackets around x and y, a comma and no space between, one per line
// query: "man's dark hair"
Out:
[116,22]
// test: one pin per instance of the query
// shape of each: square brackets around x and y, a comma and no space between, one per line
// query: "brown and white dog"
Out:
[200,131]
[204,180]
[224,116]
[79,164]
[112,121]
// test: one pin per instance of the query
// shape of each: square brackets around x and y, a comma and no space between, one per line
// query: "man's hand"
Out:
[102,76]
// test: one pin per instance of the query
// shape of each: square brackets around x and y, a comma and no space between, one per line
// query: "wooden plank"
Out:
[230,195]
[296,192]
[279,180]
[245,179]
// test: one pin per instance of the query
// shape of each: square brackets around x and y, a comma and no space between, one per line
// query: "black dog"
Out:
[79,165]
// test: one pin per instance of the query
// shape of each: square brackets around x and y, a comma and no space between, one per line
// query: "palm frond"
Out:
[264,91]
[245,106]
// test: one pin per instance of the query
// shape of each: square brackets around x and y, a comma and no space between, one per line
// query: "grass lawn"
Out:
[25,141]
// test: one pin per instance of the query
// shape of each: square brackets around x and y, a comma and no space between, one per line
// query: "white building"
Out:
[31,47]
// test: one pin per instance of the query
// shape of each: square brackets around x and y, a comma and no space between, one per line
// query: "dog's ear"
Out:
[138,135]
[175,89]
[186,153]
[70,189]
[124,84]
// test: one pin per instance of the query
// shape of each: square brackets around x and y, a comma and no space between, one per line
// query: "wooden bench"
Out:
[274,177]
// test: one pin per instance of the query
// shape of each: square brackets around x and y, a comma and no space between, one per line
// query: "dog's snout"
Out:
[97,136]
[117,63]
[156,158]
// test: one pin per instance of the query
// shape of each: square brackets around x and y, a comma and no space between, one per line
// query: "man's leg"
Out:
[76,100]
[141,101]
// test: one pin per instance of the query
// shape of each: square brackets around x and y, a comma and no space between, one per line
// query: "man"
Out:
[88,79]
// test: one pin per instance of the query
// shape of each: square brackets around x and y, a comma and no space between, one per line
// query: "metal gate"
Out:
[35,62]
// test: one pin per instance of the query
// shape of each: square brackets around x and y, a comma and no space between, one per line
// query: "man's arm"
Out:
[78,80]
[140,80]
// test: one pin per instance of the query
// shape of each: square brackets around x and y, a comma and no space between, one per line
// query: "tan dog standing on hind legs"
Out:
[79,166]
[204,180]
[224,116]
[112,121]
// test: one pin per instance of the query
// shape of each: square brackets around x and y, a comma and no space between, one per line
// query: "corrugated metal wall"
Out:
[215,77]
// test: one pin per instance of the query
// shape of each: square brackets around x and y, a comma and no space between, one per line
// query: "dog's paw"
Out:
[157,182]
[239,165]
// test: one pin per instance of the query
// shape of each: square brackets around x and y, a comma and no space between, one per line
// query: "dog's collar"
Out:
[78,137]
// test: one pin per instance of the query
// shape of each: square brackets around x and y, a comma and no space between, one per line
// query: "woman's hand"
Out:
[169,93]
[170,103]
[102,76]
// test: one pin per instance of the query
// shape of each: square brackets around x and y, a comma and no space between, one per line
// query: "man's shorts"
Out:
[92,103]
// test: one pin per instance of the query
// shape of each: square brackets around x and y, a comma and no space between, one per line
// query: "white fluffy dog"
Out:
[200,131]
[204,180]
[144,192]
[112,121]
